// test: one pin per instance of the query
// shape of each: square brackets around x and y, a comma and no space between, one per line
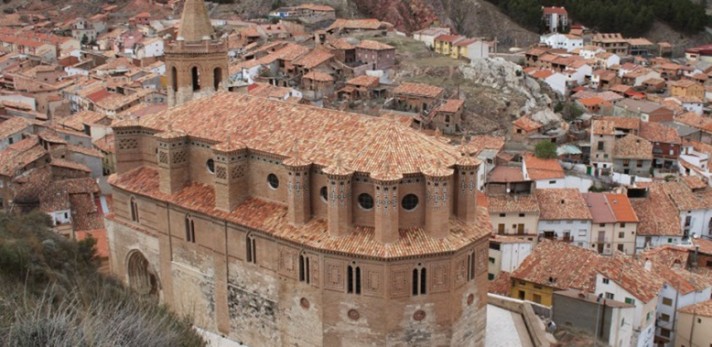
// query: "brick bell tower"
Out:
[196,62]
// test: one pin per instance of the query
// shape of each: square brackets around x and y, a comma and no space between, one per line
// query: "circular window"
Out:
[409,202]
[273,181]
[419,315]
[353,314]
[210,164]
[324,193]
[365,201]
[470,299]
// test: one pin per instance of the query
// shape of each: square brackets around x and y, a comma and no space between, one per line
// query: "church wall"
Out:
[267,304]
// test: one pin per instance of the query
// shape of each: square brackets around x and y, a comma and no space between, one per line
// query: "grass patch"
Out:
[52,295]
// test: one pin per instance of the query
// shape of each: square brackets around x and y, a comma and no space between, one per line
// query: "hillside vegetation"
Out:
[629,17]
[52,295]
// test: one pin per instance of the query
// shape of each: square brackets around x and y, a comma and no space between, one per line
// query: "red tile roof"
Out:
[373,45]
[451,106]
[703,309]
[418,89]
[542,169]
[527,124]
[562,204]
[272,218]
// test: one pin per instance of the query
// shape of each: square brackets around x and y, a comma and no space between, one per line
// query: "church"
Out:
[276,224]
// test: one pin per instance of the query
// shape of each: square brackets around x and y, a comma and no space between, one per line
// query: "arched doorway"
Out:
[142,278]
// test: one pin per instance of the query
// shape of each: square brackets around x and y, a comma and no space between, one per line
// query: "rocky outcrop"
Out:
[508,78]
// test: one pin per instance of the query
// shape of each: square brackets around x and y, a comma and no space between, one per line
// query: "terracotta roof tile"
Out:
[509,204]
[527,124]
[451,106]
[701,309]
[562,204]
[633,147]
[364,81]
[318,76]
[373,45]
[363,142]
[503,174]
[658,132]
[272,219]
[622,208]
[542,169]
[657,213]
[313,59]
[12,126]
[418,89]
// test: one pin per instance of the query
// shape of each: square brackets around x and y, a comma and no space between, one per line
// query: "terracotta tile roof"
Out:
[658,132]
[448,38]
[510,204]
[675,274]
[703,309]
[55,195]
[562,204]
[565,266]
[620,88]
[594,101]
[480,142]
[451,106]
[373,45]
[364,81]
[683,197]
[466,42]
[542,169]
[85,150]
[560,265]
[683,83]
[622,270]
[527,124]
[12,126]
[342,44]
[363,142]
[705,246]
[289,52]
[503,174]
[602,127]
[272,219]
[622,208]
[542,74]
[666,255]
[657,213]
[626,123]
[19,155]
[418,89]
[501,285]
[693,182]
[633,147]
[77,120]
[555,10]
[313,59]
[696,121]
[597,204]
[318,76]
[67,164]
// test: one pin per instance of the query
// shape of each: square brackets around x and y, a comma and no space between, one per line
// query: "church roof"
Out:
[195,23]
[271,126]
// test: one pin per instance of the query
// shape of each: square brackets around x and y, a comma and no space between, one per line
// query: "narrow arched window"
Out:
[304,275]
[251,249]
[471,266]
[174,79]
[195,77]
[420,280]
[134,209]
[189,229]
[217,77]
[353,279]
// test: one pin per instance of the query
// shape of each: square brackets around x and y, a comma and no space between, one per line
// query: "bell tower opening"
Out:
[217,78]
[195,78]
